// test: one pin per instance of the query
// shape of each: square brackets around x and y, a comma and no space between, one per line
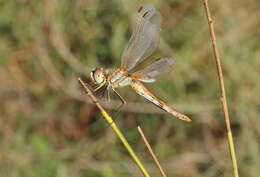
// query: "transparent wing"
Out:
[157,68]
[144,39]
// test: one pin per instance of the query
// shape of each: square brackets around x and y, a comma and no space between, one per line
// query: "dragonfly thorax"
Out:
[98,75]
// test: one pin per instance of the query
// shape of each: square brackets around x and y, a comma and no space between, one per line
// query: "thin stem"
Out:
[115,128]
[222,90]
[151,151]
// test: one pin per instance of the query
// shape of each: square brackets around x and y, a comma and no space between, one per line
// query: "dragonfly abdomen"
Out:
[143,91]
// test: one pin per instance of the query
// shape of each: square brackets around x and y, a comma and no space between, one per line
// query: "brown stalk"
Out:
[151,151]
[222,89]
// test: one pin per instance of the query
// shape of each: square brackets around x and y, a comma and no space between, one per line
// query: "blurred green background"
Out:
[49,128]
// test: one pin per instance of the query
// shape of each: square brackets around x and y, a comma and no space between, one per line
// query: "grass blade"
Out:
[116,129]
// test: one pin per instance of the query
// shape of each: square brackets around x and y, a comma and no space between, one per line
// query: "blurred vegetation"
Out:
[48,130]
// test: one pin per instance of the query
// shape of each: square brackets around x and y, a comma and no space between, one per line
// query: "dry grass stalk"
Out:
[222,90]
[151,151]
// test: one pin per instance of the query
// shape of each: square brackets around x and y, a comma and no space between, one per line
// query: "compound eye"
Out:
[97,75]
[92,74]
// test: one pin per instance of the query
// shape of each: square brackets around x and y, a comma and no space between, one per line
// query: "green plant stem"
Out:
[222,90]
[116,130]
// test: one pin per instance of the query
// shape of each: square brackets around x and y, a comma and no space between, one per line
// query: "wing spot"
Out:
[145,14]
[140,9]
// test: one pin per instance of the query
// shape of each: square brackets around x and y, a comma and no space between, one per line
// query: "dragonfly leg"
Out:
[117,110]
[120,97]
[108,94]
[98,87]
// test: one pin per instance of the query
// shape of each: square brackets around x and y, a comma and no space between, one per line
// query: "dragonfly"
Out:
[143,41]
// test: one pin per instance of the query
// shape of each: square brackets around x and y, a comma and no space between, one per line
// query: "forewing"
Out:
[144,39]
[157,68]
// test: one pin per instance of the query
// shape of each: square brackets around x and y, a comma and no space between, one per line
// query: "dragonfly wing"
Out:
[144,39]
[157,68]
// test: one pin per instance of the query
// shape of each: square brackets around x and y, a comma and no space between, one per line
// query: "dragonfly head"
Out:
[98,75]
